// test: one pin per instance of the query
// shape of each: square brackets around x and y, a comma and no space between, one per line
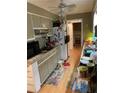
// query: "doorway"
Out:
[75,31]
[77,34]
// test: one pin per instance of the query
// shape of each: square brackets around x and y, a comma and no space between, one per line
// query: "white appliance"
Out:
[59,37]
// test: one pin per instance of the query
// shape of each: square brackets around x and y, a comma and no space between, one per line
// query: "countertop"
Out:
[41,55]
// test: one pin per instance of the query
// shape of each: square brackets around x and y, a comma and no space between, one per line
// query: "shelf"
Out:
[40,28]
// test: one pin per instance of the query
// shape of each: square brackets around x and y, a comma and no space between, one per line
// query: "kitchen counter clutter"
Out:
[88,54]
[40,67]
[88,57]
[86,78]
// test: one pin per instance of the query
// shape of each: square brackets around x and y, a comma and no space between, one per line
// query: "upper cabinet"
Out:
[30,32]
[36,21]
[39,22]
[37,25]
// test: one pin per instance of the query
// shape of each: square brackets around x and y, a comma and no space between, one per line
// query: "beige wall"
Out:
[87,23]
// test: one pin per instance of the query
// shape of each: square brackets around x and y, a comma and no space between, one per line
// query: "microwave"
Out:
[32,49]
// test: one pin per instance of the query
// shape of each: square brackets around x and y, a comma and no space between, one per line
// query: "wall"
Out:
[87,23]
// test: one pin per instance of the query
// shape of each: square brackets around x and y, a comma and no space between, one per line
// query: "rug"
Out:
[55,77]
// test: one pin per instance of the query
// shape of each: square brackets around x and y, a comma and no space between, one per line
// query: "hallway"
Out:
[62,87]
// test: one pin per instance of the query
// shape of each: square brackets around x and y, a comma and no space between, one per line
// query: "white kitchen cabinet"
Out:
[43,69]
[52,62]
[33,78]
[43,65]
[36,21]
[30,32]
[47,64]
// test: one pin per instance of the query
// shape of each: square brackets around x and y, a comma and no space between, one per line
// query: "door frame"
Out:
[75,21]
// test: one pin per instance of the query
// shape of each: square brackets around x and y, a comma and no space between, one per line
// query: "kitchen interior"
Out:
[61,46]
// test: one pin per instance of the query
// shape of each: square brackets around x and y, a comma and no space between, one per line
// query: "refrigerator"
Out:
[59,37]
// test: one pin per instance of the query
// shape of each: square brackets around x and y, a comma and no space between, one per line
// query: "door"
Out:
[77,34]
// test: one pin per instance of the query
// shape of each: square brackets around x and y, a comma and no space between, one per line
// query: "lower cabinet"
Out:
[33,78]
[52,62]
[43,65]
[48,64]
[43,70]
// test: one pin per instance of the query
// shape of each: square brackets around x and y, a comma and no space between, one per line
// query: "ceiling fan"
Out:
[62,8]
[64,5]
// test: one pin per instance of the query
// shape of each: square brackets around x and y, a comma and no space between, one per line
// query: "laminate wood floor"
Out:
[62,87]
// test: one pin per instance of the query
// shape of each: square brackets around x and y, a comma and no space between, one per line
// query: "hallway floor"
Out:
[62,87]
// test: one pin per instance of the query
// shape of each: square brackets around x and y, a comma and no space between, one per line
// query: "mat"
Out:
[55,77]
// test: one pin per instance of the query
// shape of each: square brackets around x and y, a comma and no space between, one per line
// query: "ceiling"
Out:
[82,6]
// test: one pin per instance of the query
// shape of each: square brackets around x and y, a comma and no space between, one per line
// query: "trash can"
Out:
[82,70]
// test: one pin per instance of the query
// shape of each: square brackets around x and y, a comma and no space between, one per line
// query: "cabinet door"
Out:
[30,32]
[52,62]
[36,76]
[43,70]
[46,22]
[36,21]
